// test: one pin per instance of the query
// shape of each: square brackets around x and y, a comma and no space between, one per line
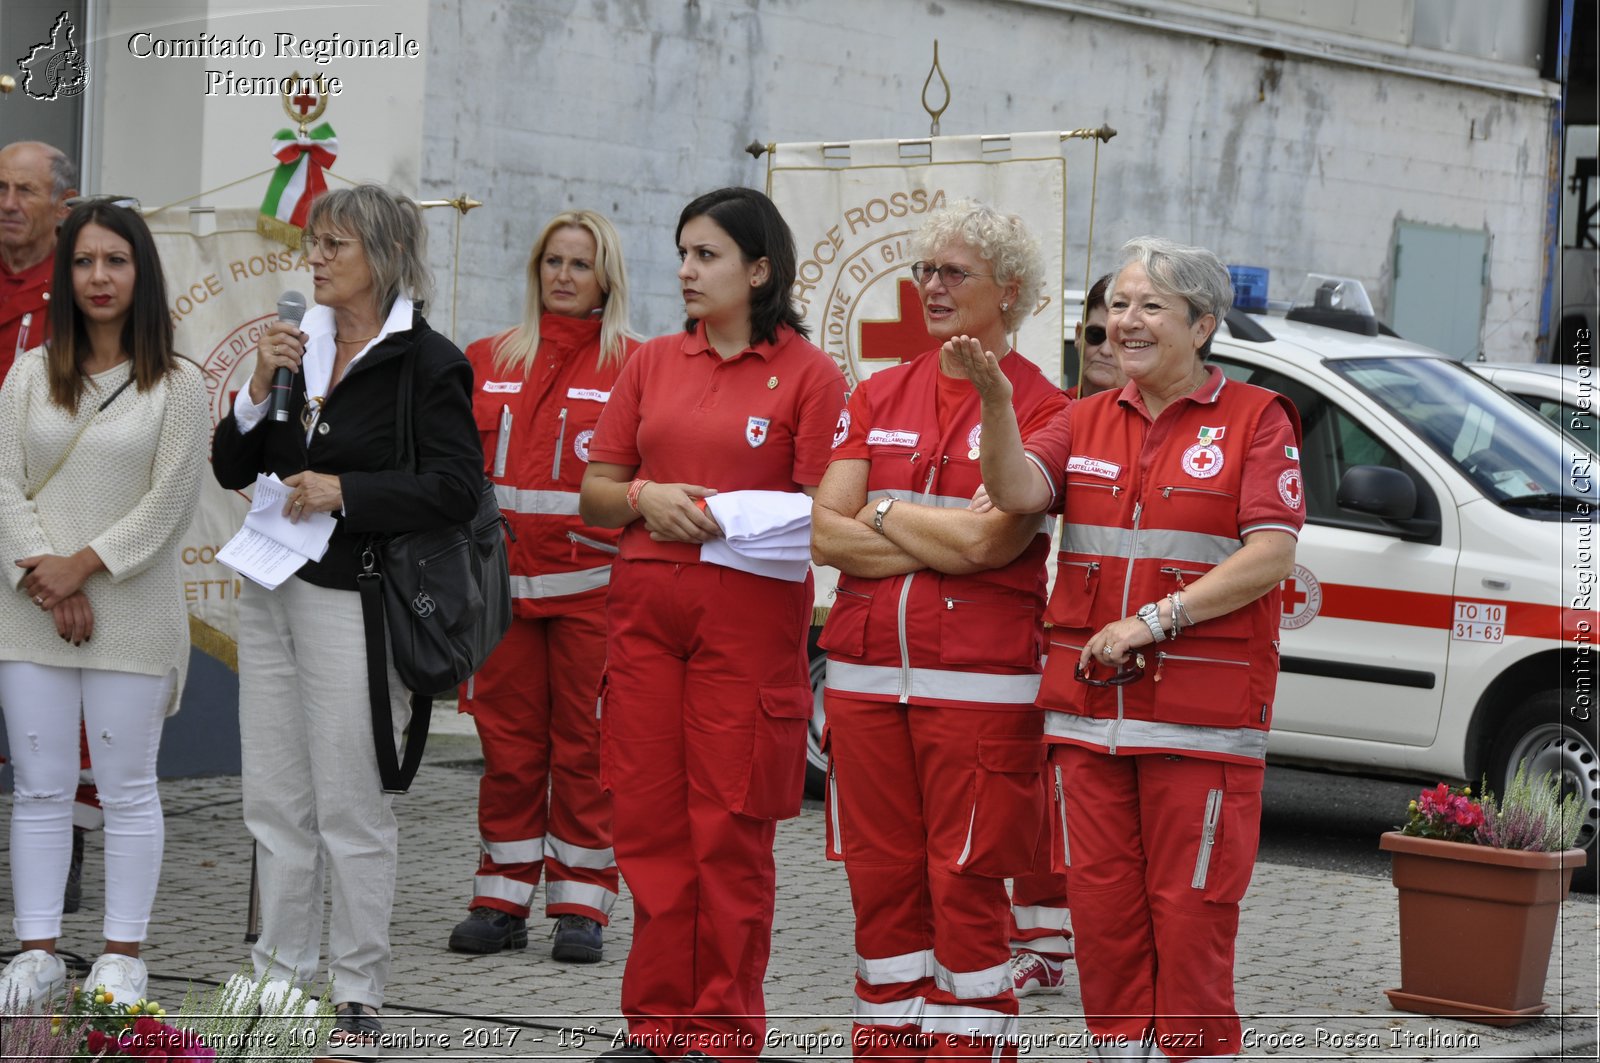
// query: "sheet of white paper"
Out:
[309,537]
[259,558]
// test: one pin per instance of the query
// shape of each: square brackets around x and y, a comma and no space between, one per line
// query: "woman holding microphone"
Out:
[706,694]
[539,392]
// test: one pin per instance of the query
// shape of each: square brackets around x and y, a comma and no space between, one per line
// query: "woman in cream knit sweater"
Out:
[102,444]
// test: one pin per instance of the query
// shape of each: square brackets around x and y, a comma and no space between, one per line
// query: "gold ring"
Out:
[299,505]
[38,600]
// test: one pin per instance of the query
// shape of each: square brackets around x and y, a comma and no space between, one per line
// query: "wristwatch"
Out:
[878,513]
[1150,613]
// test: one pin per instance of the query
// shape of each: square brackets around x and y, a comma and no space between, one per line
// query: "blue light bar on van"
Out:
[1249,288]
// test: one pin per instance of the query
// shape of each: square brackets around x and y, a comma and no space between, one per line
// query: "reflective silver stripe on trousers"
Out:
[965,1021]
[505,889]
[1147,734]
[906,1012]
[888,970]
[556,503]
[1047,523]
[932,683]
[525,851]
[559,583]
[561,891]
[1039,917]
[973,985]
[1163,543]
[569,855]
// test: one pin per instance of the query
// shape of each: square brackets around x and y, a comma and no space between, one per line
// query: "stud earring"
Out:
[1005,306]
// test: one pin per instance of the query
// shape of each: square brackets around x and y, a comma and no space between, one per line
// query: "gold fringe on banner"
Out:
[213,643]
[279,230]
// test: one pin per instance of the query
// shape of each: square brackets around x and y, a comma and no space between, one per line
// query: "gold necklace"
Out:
[369,339]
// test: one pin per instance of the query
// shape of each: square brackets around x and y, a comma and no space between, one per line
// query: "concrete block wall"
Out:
[632,107]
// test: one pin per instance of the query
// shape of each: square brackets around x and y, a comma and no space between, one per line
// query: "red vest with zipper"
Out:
[1138,528]
[558,564]
[927,637]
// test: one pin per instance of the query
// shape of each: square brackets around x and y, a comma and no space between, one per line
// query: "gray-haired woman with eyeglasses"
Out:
[1183,502]
[312,795]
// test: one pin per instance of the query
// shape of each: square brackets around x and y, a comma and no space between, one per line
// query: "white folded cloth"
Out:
[767,533]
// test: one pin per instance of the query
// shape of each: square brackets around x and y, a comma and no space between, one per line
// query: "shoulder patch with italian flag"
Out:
[1293,453]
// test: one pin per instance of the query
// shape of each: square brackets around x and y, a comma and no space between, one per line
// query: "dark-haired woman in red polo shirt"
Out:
[706,694]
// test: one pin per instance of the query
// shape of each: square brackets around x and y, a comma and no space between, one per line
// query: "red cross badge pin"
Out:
[1203,460]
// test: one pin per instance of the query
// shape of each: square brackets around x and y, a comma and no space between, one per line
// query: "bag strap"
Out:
[81,429]
[395,774]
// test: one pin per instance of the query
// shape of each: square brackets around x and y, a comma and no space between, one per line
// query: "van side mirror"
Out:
[1390,494]
[1378,490]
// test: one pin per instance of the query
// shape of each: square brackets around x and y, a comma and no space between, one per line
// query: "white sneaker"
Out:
[1033,973]
[124,977]
[32,979]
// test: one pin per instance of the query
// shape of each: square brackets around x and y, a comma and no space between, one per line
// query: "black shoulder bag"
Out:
[446,597]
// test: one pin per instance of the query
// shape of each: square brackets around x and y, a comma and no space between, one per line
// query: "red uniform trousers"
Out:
[540,802]
[1162,848]
[1040,921]
[930,805]
[704,727]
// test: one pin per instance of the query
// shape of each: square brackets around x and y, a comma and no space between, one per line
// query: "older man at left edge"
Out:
[36,180]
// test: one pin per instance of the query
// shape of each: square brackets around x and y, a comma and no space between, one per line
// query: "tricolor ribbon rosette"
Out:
[302,158]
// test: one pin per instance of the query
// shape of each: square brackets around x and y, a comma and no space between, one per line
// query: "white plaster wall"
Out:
[634,106]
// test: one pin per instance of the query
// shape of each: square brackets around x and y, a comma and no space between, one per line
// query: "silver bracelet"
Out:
[1176,597]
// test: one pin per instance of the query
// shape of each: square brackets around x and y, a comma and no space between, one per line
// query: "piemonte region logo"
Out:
[55,68]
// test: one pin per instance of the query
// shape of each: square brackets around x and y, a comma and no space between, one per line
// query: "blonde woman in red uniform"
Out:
[540,390]
[707,693]
[933,660]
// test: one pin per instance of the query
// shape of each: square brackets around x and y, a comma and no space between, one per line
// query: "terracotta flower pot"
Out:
[1476,927]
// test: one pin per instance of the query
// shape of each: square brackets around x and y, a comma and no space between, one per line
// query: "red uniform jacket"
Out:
[927,637]
[24,295]
[1150,509]
[536,434]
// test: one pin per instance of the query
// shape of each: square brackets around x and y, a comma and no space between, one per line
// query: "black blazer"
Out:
[355,440]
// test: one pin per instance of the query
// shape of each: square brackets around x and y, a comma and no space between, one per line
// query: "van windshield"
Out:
[1498,443]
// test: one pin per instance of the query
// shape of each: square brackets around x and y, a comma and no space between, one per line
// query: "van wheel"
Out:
[1538,732]
[816,762]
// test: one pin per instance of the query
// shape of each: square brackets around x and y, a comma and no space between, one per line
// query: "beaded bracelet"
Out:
[636,489]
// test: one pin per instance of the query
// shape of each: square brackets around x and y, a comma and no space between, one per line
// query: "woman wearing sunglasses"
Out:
[933,648]
[1098,368]
[1183,500]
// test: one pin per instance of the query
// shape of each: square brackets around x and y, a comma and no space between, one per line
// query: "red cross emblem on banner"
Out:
[902,338]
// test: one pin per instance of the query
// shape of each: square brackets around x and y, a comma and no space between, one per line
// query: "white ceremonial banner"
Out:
[854,208]
[222,290]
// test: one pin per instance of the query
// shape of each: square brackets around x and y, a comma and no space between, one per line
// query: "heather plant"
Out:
[1531,815]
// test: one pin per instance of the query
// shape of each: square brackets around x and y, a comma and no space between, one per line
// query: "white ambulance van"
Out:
[1440,619]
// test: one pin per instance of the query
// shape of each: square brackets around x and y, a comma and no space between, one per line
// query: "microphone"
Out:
[291,308]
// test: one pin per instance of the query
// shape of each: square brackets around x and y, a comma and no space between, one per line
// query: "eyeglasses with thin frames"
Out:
[1122,678]
[950,276]
[327,245]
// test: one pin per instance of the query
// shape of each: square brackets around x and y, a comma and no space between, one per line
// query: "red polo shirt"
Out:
[761,420]
[24,294]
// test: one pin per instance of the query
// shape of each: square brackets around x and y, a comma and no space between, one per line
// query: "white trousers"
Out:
[123,713]
[312,797]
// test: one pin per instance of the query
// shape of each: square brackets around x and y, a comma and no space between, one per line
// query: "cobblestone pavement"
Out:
[1316,949]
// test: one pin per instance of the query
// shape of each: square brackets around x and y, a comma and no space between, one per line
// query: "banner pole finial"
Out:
[934,113]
